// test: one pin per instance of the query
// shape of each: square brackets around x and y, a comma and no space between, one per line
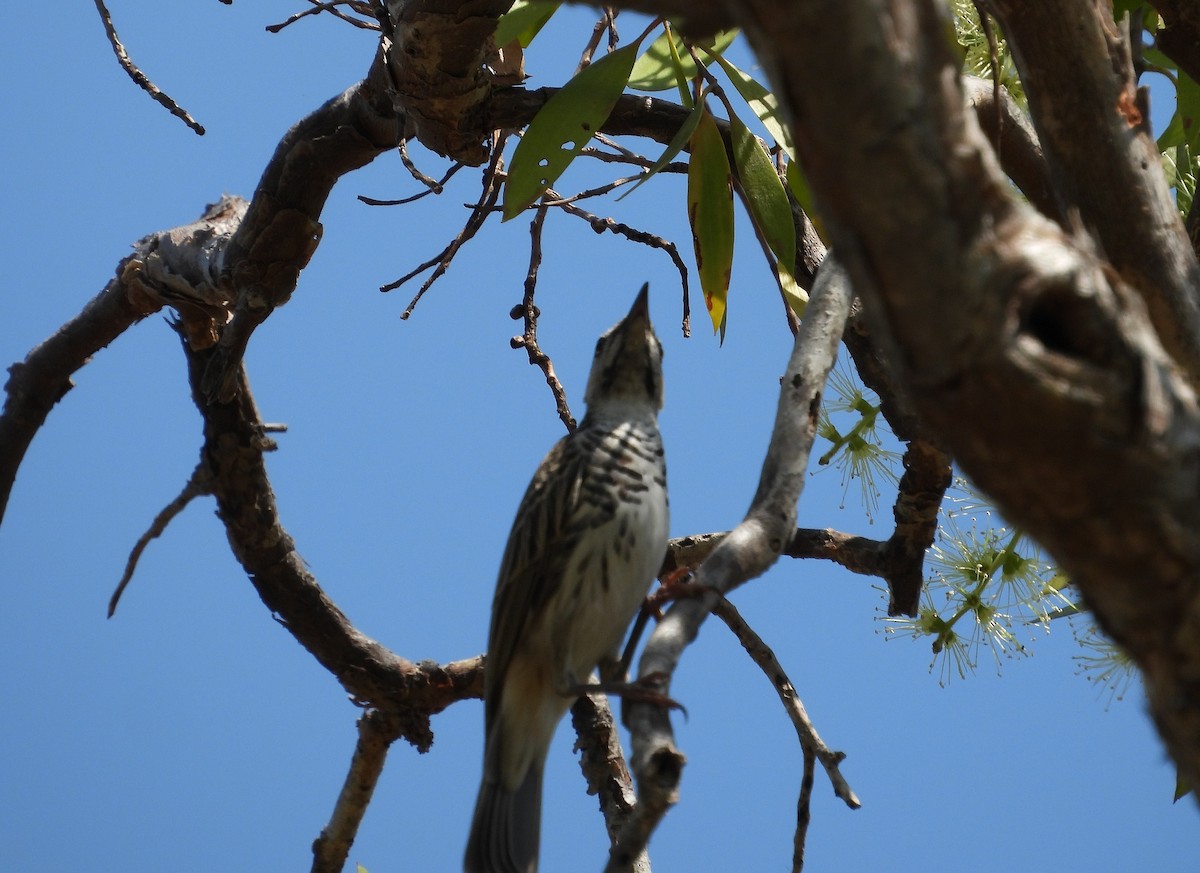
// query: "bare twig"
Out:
[198,484]
[803,810]
[140,78]
[748,551]
[810,740]
[480,211]
[377,730]
[373,675]
[606,23]
[600,225]
[436,188]
[429,182]
[363,9]
[171,268]
[598,191]
[633,159]
[529,312]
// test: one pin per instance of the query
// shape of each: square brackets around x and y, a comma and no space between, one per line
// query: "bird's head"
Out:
[627,369]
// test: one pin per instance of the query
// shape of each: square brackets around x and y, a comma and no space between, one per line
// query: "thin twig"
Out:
[319,7]
[631,158]
[437,188]
[810,740]
[592,192]
[529,312]
[803,811]
[140,78]
[607,22]
[613,37]
[427,181]
[629,153]
[198,484]
[480,211]
[600,225]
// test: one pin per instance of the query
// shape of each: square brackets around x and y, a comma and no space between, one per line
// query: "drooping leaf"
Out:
[564,126]
[763,193]
[796,297]
[1184,128]
[523,21]
[710,214]
[674,147]
[681,76]
[656,70]
[1182,788]
[762,103]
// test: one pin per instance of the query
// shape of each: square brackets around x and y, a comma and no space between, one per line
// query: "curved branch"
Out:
[234,442]
[746,552]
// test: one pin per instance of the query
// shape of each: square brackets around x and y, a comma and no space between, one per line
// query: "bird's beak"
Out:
[641,304]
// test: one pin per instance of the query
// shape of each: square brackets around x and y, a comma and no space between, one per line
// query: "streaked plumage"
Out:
[589,537]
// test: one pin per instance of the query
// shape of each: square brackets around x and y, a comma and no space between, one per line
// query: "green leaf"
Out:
[762,103]
[564,126]
[763,193]
[656,69]
[1184,128]
[710,214]
[796,297]
[1182,788]
[673,148]
[523,21]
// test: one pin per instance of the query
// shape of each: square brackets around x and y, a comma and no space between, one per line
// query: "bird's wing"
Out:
[542,538]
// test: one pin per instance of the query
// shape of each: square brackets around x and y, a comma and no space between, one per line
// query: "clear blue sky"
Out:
[191,733]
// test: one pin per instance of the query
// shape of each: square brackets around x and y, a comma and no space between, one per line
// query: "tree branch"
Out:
[172,268]
[746,552]
[603,764]
[234,442]
[377,730]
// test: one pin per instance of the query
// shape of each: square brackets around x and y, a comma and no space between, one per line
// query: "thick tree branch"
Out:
[1038,367]
[1099,129]
[746,552]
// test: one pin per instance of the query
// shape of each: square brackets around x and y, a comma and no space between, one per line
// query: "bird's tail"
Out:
[506,827]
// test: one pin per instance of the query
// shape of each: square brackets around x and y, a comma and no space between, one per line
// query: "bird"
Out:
[589,538]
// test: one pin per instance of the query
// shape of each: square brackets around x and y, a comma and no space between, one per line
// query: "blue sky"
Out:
[191,733]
